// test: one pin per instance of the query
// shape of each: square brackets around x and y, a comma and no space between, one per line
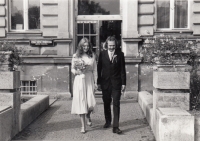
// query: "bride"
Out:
[85,82]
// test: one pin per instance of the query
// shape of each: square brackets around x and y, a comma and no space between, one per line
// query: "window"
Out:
[172,14]
[29,87]
[25,15]
[98,7]
[87,29]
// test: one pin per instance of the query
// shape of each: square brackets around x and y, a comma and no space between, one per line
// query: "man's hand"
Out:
[99,87]
[123,88]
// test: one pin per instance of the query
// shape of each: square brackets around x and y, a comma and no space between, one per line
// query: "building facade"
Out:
[49,31]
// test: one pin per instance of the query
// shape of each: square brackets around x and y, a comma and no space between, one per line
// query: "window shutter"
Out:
[196,17]
[2,18]
[49,18]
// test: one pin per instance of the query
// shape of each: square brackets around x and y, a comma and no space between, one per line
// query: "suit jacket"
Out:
[111,72]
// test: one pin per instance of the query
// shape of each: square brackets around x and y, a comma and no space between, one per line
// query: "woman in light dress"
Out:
[85,83]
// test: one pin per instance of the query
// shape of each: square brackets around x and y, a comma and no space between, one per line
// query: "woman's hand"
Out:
[78,72]
[95,86]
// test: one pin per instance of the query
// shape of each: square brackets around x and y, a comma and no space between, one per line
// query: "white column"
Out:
[130,27]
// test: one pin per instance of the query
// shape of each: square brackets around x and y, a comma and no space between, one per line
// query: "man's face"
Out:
[111,46]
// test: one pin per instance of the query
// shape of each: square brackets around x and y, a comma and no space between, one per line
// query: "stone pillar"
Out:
[130,18]
[63,19]
[130,28]
[10,96]
[171,89]
[174,124]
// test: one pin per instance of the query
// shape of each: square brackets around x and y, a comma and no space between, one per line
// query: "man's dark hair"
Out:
[111,38]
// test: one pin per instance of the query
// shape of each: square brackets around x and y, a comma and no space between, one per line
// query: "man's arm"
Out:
[123,69]
[99,69]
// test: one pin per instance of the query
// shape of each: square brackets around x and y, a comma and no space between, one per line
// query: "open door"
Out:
[97,32]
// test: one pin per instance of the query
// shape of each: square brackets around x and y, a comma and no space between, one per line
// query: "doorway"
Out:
[98,31]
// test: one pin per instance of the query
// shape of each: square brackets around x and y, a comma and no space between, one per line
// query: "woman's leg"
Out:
[82,123]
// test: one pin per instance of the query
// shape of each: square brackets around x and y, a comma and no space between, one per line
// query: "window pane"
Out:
[93,40]
[163,13]
[80,28]
[17,16]
[181,14]
[92,28]
[86,28]
[98,7]
[34,14]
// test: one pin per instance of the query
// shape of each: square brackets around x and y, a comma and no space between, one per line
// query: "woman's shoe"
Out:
[83,130]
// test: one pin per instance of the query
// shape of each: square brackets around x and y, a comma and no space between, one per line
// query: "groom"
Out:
[112,81]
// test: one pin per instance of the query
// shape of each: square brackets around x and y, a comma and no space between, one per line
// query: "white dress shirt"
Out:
[111,54]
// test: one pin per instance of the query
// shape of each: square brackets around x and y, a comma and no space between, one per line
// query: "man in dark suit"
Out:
[112,81]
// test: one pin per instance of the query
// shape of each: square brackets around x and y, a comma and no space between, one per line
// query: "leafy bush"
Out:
[167,50]
[9,52]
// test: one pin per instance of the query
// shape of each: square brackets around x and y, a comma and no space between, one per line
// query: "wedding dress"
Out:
[83,87]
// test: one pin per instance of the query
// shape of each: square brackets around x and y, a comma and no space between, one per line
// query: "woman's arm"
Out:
[73,70]
[95,69]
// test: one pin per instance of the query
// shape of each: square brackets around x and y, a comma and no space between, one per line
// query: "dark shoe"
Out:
[107,125]
[117,130]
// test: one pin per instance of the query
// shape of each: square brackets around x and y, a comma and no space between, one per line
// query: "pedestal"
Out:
[10,96]
[171,90]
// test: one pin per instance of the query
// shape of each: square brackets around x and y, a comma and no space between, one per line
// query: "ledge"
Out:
[46,59]
[146,1]
[27,40]
[132,59]
[145,100]
[4,108]
[174,31]
[24,32]
[56,59]
[132,39]
[31,109]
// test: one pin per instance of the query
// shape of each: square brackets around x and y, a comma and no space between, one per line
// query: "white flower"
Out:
[113,58]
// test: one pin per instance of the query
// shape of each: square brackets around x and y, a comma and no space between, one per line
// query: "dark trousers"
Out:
[107,99]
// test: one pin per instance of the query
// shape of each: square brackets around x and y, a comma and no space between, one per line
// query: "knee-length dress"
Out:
[83,87]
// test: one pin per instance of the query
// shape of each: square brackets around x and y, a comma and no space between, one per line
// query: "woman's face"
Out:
[85,47]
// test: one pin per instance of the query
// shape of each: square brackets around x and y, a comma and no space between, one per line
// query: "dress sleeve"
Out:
[72,67]
[95,70]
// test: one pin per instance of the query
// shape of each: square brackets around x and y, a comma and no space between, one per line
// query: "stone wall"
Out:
[52,79]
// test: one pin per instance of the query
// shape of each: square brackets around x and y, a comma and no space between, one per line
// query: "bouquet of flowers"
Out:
[79,64]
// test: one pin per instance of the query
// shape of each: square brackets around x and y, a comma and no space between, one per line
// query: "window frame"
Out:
[99,17]
[29,92]
[89,34]
[172,18]
[25,14]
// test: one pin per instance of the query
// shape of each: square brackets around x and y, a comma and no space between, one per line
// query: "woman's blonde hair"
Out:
[79,51]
